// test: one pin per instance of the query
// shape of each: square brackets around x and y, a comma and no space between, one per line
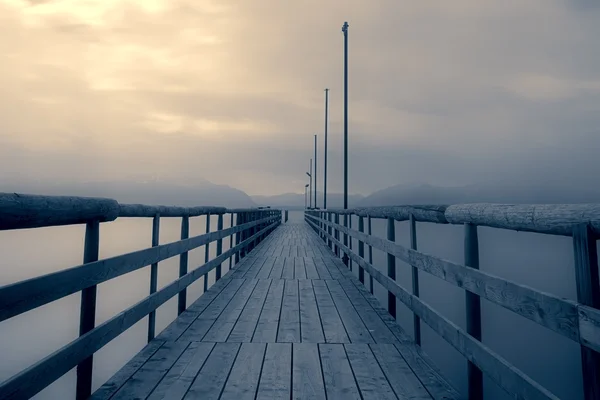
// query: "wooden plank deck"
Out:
[289,321]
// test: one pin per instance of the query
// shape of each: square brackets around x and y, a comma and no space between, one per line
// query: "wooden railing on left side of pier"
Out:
[20,211]
[577,320]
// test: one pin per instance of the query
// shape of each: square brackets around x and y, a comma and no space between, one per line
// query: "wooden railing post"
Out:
[588,293]
[415,279]
[153,276]
[345,256]
[336,234]
[369,231]
[231,240]
[238,236]
[361,250]
[244,234]
[183,264]
[391,265]
[349,219]
[87,319]
[286,215]
[206,252]
[219,247]
[328,228]
[473,309]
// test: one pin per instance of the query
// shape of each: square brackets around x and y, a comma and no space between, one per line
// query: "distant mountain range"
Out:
[295,201]
[202,193]
[492,192]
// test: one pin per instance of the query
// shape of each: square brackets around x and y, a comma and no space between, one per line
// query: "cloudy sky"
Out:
[444,92]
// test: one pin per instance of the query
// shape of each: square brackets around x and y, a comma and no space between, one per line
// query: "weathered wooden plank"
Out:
[311,268]
[277,267]
[371,380]
[333,328]
[268,322]
[243,380]
[555,219]
[202,324]
[26,295]
[211,379]
[310,320]
[246,323]
[149,375]
[178,380]
[256,267]
[288,268]
[181,323]
[183,265]
[220,330]
[401,378]
[425,370]
[337,374]
[321,268]
[425,213]
[377,328]
[276,375]
[266,268]
[589,327]
[22,211]
[142,210]
[356,329]
[559,315]
[289,323]
[109,388]
[307,379]
[299,269]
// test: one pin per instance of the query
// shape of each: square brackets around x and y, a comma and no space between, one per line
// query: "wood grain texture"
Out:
[276,376]
[26,295]
[307,380]
[337,374]
[508,377]
[559,315]
[212,377]
[589,327]
[21,211]
[242,382]
[143,210]
[555,219]
[424,213]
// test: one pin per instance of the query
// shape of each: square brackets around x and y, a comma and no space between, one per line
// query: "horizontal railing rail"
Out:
[31,211]
[577,320]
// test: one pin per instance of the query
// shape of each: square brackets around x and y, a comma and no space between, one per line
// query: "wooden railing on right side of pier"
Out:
[32,211]
[577,320]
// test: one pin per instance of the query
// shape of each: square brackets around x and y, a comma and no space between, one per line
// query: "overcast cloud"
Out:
[232,91]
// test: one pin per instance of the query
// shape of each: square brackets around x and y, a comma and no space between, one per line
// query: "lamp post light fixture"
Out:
[310,185]
[305,198]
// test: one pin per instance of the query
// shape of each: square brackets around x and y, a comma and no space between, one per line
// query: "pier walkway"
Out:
[288,321]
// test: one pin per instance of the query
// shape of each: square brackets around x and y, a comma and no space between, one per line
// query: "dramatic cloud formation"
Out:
[230,91]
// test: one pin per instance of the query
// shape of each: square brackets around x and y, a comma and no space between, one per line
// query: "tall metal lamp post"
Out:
[305,198]
[316,174]
[310,185]
[325,150]
[345,31]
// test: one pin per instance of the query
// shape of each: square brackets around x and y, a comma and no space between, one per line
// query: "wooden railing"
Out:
[578,321]
[30,211]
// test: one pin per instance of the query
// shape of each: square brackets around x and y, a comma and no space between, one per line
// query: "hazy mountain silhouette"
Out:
[152,193]
[493,192]
[296,201]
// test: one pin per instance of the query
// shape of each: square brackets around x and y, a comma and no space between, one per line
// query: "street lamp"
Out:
[310,183]
[345,31]
[325,167]
[305,186]
[316,174]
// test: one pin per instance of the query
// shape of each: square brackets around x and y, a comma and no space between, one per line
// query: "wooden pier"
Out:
[290,319]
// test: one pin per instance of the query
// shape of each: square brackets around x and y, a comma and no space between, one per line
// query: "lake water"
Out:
[540,261]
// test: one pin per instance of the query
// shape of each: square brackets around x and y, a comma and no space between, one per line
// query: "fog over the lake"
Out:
[217,102]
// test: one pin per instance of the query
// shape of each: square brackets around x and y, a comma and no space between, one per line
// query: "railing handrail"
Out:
[32,211]
[578,321]
[553,219]
[22,211]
